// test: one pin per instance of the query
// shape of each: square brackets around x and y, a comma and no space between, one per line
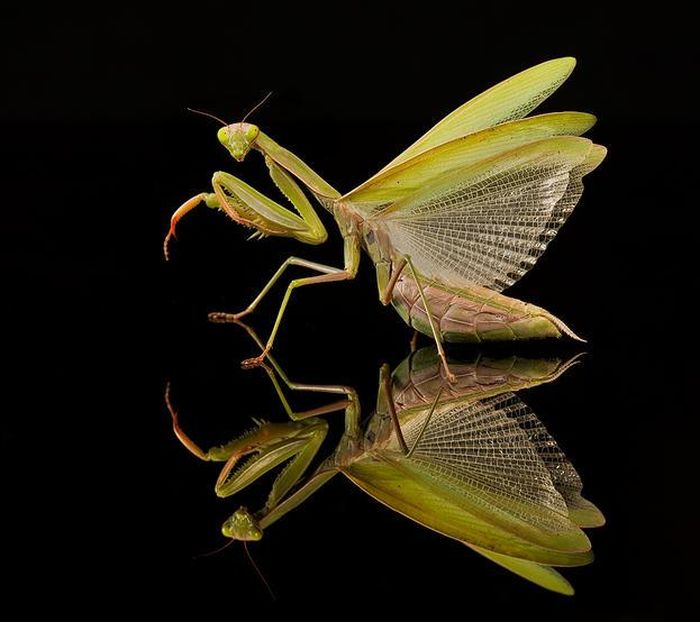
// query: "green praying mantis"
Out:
[452,221]
[466,459]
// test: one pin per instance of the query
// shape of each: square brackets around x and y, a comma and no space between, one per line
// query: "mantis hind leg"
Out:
[296,283]
[436,334]
[385,401]
[351,403]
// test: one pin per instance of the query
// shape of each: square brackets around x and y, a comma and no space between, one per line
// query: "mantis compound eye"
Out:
[242,526]
[251,132]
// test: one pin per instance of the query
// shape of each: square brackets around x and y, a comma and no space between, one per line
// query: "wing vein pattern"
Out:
[489,224]
[497,449]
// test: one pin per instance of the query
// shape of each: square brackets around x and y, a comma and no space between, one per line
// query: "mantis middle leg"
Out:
[223,317]
[351,403]
[351,264]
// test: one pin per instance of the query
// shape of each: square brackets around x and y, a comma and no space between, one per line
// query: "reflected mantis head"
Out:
[268,446]
[241,525]
[238,138]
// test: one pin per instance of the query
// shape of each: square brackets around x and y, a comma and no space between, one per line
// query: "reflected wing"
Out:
[481,446]
[409,176]
[544,576]
[511,99]
[489,223]
[435,507]
[476,476]
[564,476]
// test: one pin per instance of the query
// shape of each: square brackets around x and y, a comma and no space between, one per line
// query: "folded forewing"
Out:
[511,99]
[406,178]
[488,224]
[544,576]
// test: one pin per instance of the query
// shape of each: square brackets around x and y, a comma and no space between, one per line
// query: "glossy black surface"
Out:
[103,512]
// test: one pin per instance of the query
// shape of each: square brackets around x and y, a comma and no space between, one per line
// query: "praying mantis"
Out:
[451,222]
[466,459]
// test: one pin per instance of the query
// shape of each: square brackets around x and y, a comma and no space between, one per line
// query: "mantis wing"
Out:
[407,177]
[434,507]
[544,576]
[489,223]
[564,476]
[511,99]
[474,475]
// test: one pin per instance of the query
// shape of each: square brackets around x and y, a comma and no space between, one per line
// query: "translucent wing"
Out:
[488,224]
[406,178]
[475,475]
[513,98]
[564,476]
[481,446]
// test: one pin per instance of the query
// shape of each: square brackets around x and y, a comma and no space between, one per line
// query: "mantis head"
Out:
[241,525]
[238,138]
[268,445]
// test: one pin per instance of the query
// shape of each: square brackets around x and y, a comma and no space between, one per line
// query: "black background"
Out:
[103,511]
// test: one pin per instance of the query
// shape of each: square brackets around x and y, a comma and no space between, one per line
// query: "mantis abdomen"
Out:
[474,315]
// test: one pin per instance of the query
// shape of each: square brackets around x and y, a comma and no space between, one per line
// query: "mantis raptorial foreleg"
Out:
[436,335]
[299,452]
[250,208]
[206,197]
[295,443]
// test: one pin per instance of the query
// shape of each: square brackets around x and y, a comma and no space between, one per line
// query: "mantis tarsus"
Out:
[467,459]
[452,221]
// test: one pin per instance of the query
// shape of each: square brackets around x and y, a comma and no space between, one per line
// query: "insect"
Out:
[466,459]
[452,221]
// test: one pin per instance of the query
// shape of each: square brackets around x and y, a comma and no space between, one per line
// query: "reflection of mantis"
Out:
[468,460]
[455,219]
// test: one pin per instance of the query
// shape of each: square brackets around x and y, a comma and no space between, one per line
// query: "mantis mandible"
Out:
[466,459]
[459,216]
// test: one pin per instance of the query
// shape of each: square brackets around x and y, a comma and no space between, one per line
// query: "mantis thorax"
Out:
[376,242]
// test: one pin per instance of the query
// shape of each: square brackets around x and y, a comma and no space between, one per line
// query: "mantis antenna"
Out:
[211,116]
[254,108]
[215,551]
[260,574]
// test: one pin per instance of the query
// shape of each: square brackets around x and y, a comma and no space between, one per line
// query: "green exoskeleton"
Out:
[466,459]
[459,216]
